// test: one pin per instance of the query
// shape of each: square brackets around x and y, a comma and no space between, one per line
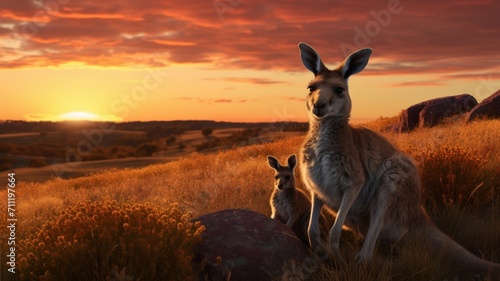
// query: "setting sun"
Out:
[79,116]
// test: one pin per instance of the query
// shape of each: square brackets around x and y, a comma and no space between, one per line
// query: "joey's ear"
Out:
[311,59]
[355,62]
[273,162]
[292,161]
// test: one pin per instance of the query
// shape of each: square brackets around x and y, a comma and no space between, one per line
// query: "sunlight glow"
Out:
[78,116]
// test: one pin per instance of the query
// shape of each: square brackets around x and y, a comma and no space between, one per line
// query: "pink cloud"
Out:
[261,81]
[441,37]
[418,84]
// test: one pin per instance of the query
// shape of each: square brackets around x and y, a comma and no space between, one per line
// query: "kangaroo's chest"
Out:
[324,173]
[282,205]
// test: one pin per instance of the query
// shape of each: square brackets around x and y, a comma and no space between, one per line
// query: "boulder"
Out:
[409,118]
[488,108]
[245,245]
[432,112]
[436,110]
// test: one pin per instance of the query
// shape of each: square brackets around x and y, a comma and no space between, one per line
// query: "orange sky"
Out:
[236,60]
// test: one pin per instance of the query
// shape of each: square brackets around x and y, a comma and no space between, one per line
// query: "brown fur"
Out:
[290,205]
[374,188]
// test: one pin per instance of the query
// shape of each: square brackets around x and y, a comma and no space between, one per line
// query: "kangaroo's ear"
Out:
[311,59]
[273,162]
[292,161]
[355,62]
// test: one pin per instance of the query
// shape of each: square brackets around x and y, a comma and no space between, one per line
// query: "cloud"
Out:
[40,117]
[418,84]
[259,81]
[474,76]
[222,101]
[294,99]
[35,117]
[207,100]
[440,37]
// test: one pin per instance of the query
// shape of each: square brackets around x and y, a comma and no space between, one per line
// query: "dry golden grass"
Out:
[481,135]
[108,241]
[240,178]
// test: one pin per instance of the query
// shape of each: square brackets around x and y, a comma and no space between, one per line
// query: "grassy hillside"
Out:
[116,148]
[460,161]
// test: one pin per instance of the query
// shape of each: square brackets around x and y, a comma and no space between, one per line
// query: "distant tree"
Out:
[212,143]
[170,140]
[44,134]
[146,149]
[207,131]
[181,146]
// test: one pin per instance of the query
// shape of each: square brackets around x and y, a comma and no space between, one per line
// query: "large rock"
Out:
[436,110]
[247,245]
[409,118]
[488,108]
[432,112]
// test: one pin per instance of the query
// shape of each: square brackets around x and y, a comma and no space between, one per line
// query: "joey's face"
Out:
[328,96]
[284,179]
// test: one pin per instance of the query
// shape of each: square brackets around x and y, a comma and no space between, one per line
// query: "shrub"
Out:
[107,240]
[170,140]
[207,131]
[452,176]
[121,151]
[146,149]
[97,153]
[245,135]
[215,142]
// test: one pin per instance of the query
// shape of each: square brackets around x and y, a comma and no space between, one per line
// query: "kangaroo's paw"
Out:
[362,259]
[335,253]
[320,251]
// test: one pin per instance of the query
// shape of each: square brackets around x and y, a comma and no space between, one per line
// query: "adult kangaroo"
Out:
[374,188]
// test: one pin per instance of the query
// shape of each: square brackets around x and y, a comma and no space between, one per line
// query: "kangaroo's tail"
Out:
[457,253]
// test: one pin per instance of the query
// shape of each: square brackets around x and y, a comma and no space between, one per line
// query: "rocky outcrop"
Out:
[438,109]
[432,112]
[409,118]
[488,108]
[246,245]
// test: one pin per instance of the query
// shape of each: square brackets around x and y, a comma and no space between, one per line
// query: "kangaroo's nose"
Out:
[319,105]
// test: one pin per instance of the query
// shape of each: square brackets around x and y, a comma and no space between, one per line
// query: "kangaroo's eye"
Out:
[276,177]
[339,91]
[311,89]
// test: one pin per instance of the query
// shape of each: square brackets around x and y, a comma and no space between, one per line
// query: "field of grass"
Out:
[468,175]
